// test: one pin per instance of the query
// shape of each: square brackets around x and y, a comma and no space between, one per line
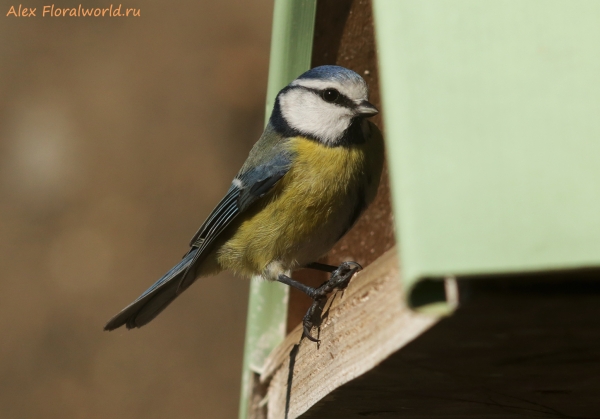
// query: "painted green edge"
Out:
[291,50]
[425,296]
[492,136]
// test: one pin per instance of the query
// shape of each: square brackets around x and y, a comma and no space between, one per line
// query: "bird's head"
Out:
[322,104]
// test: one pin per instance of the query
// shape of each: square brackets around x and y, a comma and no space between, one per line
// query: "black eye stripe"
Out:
[342,100]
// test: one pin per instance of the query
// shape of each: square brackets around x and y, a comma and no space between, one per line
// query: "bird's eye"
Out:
[330,95]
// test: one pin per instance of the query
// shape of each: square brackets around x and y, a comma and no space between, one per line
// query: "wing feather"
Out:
[246,189]
[251,184]
[231,195]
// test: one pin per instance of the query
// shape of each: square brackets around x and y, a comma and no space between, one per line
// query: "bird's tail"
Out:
[156,298]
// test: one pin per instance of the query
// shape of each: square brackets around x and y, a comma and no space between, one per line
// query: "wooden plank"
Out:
[492,133]
[360,329]
[522,347]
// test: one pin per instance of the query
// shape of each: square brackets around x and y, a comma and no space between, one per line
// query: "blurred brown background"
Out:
[117,137]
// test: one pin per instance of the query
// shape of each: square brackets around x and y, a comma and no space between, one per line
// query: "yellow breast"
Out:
[320,189]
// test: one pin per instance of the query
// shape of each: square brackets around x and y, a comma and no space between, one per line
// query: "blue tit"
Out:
[304,184]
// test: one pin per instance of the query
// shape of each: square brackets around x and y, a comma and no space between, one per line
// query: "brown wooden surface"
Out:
[520,348]
[344,36]
[360,328]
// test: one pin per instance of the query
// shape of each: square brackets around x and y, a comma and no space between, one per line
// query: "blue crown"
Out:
[331,72]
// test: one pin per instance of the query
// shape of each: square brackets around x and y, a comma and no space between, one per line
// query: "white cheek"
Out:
[308,113]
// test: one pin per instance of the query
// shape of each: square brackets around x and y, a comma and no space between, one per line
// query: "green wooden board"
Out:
[491,113]
[291,49]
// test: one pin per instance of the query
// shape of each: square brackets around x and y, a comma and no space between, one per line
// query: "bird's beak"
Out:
[366,109]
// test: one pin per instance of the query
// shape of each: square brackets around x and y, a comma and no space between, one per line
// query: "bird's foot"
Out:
[340,278]
[313,318]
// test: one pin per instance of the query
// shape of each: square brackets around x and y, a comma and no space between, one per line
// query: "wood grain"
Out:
[359,330]
[518,347]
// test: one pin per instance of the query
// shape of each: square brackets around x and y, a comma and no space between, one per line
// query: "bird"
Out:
[306,181]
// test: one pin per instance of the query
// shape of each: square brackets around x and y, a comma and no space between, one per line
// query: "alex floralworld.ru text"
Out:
[80,11]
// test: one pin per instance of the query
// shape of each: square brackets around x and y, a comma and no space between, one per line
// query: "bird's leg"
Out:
[340,277]
[310,291]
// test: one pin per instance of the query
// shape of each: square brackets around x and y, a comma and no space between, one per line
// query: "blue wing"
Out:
[246,189]
[248,186]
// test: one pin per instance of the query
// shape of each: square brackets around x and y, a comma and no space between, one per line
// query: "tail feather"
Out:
[155,305]
[155,299]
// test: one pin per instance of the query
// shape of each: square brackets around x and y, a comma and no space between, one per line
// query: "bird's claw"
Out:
[340,278]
